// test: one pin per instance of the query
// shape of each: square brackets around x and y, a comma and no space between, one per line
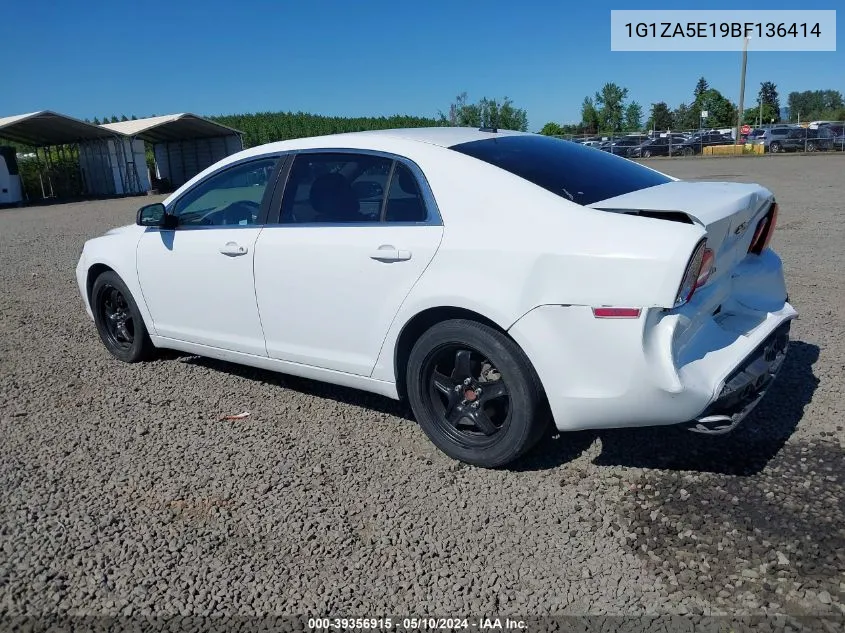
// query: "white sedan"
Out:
[497,280]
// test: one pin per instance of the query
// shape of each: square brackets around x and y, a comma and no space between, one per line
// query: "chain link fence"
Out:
[780,138]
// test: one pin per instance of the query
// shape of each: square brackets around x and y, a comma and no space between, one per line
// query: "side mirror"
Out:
[151,215]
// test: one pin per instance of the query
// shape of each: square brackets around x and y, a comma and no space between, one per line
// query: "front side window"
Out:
[231,197]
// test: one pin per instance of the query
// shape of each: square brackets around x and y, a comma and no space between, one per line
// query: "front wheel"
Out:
[774,148]
[811,147]
[475,394]
[688,151]
[647,154]
[118,320]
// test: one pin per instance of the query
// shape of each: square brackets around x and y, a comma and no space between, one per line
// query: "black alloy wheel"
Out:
[118,320]
[120,326]
[469,395]
[475,393]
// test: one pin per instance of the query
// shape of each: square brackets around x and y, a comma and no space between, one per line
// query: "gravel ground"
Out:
[124,494]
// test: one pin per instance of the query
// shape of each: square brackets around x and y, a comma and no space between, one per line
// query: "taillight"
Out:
[690,280]
[764,231]
[706,269]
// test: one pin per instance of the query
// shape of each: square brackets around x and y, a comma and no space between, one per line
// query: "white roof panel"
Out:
[171,127]
[43,128]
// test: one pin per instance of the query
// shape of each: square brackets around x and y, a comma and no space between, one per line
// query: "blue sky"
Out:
[379,57]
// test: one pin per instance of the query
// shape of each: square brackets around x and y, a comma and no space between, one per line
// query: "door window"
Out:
[231,197]
[404,198]
[335,188]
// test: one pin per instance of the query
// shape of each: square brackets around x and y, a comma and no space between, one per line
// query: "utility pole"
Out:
[742,89]
[761,114]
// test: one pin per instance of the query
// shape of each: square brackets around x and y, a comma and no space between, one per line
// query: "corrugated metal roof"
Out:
[171,127]
[43,128]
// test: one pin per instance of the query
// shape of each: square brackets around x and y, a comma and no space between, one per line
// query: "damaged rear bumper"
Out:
[745,386]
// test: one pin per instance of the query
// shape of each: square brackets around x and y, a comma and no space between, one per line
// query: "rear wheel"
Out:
[647,153]
[688,151]
[774,147]
[811,146]
[475,394]
[118,320]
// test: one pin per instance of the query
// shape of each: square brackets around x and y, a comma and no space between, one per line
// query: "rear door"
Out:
[354,232]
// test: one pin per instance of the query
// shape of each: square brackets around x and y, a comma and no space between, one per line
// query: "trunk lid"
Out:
[728,211]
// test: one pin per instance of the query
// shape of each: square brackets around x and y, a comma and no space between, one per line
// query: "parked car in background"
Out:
[622,146]
[774,135]
[837,139]
[593,143]
[813,125]
[392,261]
[659,146]
[803,140]
[756,133]
[697,142]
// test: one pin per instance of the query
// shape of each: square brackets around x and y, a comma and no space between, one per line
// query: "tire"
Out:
[811,147]
[688,151]
[449,372]
[647,154]
[774,147]
[118,320]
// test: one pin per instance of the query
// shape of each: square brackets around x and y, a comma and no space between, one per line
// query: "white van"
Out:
[10,179]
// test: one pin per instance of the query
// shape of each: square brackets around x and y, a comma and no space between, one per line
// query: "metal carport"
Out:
[183,144]
[61,144]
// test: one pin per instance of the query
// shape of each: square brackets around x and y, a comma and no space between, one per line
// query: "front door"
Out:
[197,279]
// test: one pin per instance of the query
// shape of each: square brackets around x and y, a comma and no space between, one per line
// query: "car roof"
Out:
[441,136]
[387,140]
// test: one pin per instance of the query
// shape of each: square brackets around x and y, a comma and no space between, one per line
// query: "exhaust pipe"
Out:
[715,424]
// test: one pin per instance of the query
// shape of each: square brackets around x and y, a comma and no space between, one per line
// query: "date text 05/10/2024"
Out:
[416,624]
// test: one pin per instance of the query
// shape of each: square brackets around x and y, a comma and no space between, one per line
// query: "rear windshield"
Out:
[572,171]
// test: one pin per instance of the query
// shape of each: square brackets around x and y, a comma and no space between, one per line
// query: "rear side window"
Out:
[570,170]
[350,188]
[335,188]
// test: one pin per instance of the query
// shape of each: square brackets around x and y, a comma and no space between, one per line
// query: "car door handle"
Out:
[388,253]
[233,249]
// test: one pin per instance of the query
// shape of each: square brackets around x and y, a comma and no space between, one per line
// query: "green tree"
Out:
[485,113]
[610,103]
[815,105]
[768,96]
[589,116]
[96,121]
[123,117]
[721,112]
[661,116]
[633,117]
[265,127]
[751,116]
[505,115]
[684,119]
[552,129]
[700,88]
